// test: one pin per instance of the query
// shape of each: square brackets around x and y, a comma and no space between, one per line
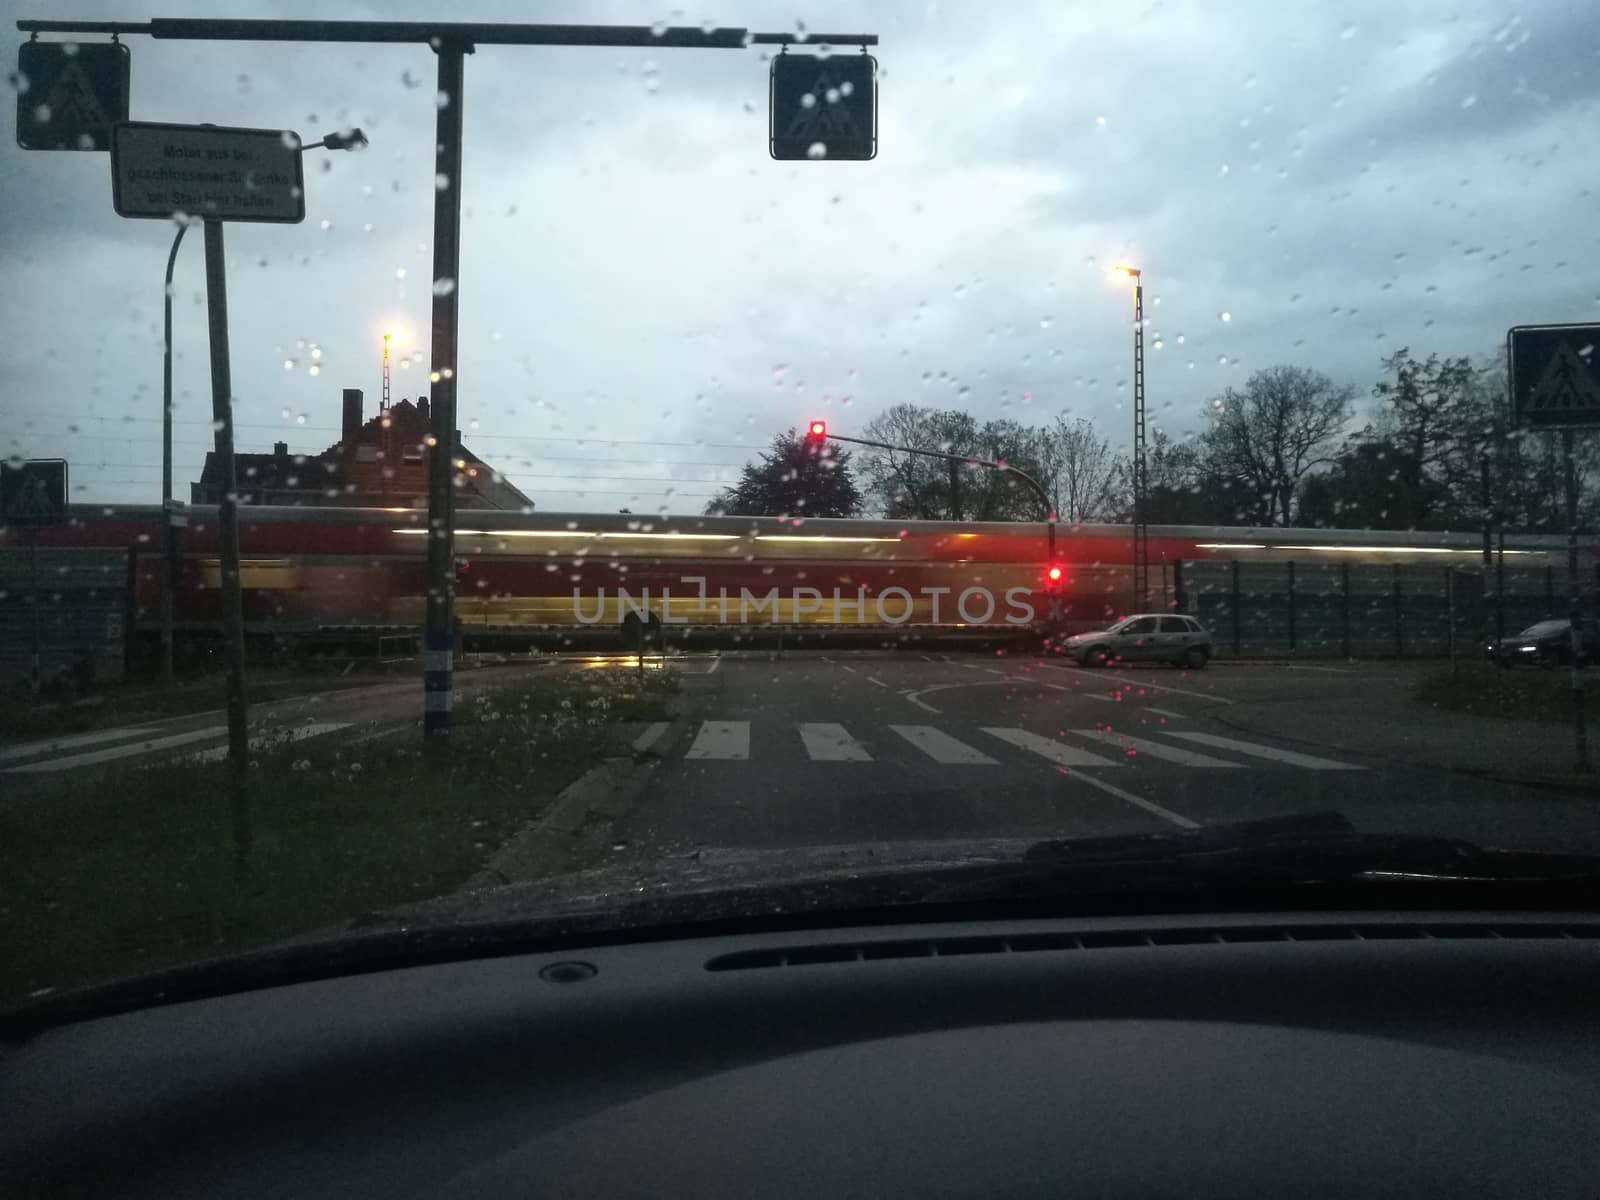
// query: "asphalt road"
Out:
[816,749]
[834,749]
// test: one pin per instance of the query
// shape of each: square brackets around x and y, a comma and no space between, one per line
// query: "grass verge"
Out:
[1528,695]
[133,870]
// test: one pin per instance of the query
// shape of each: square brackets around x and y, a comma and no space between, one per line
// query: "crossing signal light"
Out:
[817,431]
[1055,573]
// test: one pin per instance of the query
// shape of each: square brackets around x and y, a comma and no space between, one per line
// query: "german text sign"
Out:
[207,171]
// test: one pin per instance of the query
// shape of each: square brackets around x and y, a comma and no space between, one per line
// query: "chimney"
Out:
[422,407]
[280,451]
[351,429]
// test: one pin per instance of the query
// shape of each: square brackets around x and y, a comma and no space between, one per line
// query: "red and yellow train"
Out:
[319,572]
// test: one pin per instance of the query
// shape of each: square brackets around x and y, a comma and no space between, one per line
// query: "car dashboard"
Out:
[1408,1054]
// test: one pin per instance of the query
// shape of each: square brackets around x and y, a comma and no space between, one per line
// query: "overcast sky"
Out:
[646,297]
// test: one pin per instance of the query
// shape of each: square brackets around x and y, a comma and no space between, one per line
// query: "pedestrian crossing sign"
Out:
[824,106]
[70,94]
[33,492]
[1555,375]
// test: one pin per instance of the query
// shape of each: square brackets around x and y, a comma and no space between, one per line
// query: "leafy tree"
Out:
[1431,414]
[796,478]
[1369,486]
[1266,438]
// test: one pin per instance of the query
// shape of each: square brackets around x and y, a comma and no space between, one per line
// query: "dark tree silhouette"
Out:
[796,478]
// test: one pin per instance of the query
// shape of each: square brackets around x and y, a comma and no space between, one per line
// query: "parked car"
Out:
[1144,637]
[1546,644]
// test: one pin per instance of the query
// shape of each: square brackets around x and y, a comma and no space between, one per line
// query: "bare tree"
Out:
[1080,471]
[1267,437]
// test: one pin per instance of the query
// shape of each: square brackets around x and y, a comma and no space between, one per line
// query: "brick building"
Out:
[381,462]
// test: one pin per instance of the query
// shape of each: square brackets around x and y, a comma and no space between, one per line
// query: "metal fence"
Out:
[79,599]
[1364,610]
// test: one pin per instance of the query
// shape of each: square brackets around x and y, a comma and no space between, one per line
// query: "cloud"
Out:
[646,297]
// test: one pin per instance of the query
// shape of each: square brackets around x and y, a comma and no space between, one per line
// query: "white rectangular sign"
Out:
[208,171]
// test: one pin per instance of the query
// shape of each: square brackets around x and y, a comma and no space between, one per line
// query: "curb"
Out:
[575,820]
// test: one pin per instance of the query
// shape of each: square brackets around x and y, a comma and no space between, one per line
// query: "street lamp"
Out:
[344,139]
[350,139]
[1141,530]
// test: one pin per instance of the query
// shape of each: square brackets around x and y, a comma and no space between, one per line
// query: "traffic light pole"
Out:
[438,641]
[955,461]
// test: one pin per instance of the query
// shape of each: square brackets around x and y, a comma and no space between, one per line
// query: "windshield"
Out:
[645,467]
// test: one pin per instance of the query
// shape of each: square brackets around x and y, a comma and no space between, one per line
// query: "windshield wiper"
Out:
[1305,850]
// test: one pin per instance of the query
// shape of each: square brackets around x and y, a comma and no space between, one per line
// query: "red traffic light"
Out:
[1055,573]
[817,430]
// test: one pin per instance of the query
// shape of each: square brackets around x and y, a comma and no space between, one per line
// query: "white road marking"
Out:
[1080,693]
[296,733]
[941,747]
[1150,806]
[852,670]
[722,739]
[830,743]
[1165,712]
[715,663]
[916,698]
[1056,752]
[994,670]
[879,682]
[56,745]
[1309,761]
[145,746]
[1136,683]
[651,735]
[1187,758]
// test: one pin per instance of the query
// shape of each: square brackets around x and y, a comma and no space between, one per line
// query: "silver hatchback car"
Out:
[1144,637]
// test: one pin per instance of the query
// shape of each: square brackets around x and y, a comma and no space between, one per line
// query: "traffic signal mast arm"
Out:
[817,431]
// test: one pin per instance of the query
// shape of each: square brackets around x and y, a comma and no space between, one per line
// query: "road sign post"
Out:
[70,94]
[166,172]
[1554,376]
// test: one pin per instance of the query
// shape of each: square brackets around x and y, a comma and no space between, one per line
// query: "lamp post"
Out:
[351,139]
[1141,529]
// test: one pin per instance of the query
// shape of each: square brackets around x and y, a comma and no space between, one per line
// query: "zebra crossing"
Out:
[827,742]
[142,742]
